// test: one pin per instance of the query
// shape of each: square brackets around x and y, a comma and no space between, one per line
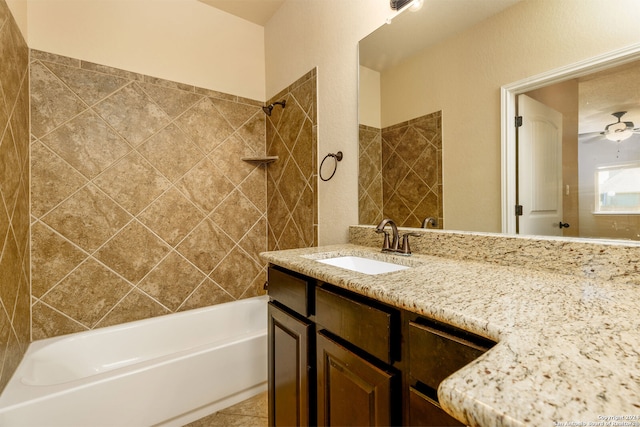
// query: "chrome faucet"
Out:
[386,245]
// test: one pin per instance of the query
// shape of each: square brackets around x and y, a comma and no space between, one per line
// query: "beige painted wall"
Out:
[532,37]
[369,107]
[179,40]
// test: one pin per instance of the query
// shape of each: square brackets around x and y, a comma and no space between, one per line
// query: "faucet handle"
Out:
[386,244]
[405,249]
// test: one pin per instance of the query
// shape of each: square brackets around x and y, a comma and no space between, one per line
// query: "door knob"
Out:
[563,225]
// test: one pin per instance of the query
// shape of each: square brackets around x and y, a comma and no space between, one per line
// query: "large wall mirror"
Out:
[430,119]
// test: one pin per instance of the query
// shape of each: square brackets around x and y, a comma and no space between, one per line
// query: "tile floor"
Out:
[249,413]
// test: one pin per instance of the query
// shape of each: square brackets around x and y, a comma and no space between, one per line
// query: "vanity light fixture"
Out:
[399,4]
[413,5]
[416,5]
[402,5]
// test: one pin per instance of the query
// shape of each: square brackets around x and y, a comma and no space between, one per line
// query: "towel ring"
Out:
[336,157]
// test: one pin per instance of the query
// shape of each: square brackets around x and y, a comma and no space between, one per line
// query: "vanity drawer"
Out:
[435,352]
[291,291]
[361,324]
[425,411]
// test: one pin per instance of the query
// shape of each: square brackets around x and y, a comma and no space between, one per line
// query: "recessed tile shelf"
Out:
[260,159]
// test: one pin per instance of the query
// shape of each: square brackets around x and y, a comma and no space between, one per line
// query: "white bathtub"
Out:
[168,370]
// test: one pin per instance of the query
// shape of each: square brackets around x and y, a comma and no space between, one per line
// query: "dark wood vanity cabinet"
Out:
[353,391]
[289,369]
[359,383]
[337,358]
[291,374]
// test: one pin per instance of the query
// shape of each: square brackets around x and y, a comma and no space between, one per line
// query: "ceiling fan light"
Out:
[616,127]
[618,131]
[619,135]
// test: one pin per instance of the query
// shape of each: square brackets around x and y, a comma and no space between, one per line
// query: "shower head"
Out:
[267,109]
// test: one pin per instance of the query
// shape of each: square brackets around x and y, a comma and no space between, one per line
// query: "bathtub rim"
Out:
[15,383]
[128,325]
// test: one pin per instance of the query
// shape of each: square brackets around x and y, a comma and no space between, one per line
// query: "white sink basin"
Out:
[363,265]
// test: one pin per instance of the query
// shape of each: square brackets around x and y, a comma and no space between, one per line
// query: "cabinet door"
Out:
[289,365]
[351,390]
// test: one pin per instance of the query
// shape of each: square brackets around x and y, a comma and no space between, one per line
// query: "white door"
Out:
[539,168]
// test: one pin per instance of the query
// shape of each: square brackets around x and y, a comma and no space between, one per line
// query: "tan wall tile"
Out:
[172,216]
[205,125]
[132,113]
[205,185]
[171,152]
[52,179]
[206,246]
[47,322]
[88,218]
[172,281]
[133,183]
[52,103]
[291,181]
[133,252]
[87,144]
[135,306]
[14,195]
[53,258]
[88,293]
[412,184]
[126,170]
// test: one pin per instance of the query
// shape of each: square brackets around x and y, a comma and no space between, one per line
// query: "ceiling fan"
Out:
[619,131]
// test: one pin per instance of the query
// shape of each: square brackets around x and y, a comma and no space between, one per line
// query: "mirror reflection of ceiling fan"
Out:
[619,131]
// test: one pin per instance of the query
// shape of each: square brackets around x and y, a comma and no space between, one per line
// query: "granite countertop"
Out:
[568,349]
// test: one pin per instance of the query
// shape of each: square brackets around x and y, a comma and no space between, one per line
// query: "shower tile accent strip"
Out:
[14,195]
[141,204]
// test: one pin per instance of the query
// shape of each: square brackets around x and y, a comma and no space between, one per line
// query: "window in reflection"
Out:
[618,189]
